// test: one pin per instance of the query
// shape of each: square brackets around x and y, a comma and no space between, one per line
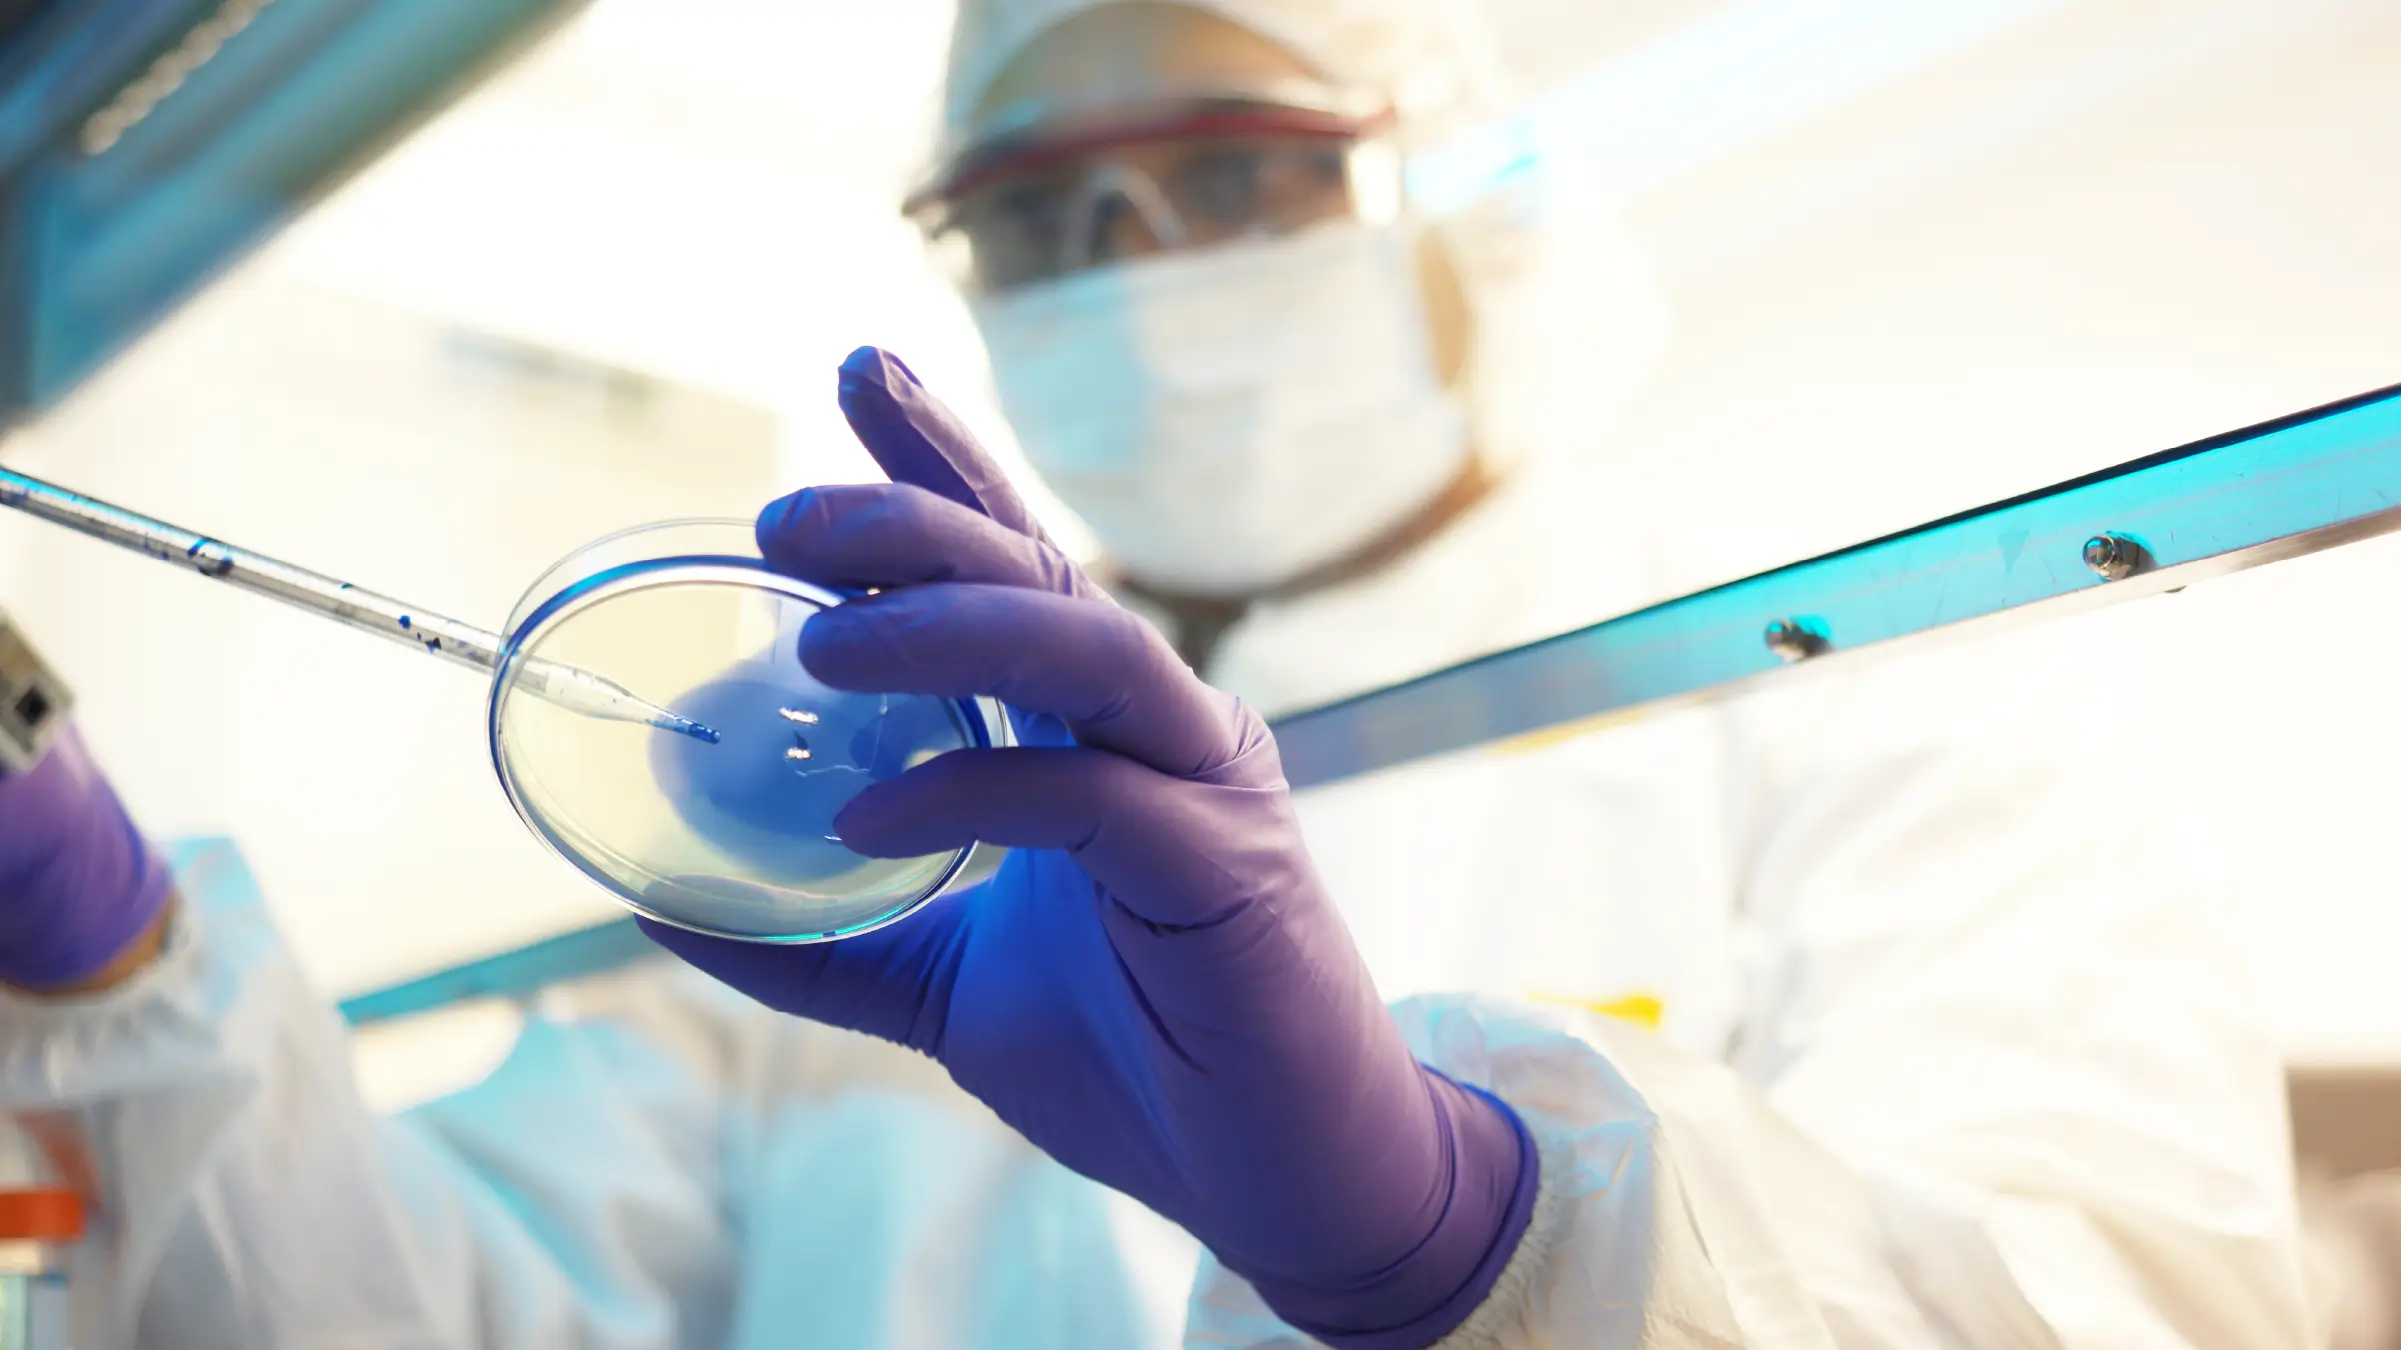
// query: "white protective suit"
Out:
[1954,1051]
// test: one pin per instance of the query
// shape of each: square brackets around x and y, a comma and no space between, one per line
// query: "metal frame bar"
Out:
[516,974]
[100,240]
[2293,486]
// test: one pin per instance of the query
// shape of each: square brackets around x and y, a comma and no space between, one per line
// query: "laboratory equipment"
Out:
[353,606]
[726,831]
[35,1226]
[146,147]
[2309,481]
[732,835]
[34,701]
[40,1217]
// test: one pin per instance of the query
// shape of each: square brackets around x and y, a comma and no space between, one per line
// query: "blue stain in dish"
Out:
[784,755]
[887,746]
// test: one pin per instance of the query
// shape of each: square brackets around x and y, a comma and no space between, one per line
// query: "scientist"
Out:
[1950,1050]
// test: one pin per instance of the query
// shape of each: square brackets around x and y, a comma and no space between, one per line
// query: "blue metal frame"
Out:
[2292,486]
[513,974]
[2303,483]
[71,60]
[101,244]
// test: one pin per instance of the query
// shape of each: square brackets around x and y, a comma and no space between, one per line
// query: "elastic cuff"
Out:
[1498,1323]
[93,930]
[1500,1250]
[40,1013]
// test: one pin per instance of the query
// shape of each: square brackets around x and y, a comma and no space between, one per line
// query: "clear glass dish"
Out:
[732,837]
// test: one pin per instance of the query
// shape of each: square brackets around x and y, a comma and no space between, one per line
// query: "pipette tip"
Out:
[685,726]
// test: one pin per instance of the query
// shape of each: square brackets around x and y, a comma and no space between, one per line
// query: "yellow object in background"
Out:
[1643,1010]
[1569,731]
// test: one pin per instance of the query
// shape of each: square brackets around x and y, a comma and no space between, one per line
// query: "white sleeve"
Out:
[2000,1082]
[250,1198]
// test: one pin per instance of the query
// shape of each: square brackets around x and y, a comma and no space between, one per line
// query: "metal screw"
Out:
[1796,640]
[2114,557]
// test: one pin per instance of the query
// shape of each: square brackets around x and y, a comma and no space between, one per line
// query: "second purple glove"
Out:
[79,885]
[1155,989]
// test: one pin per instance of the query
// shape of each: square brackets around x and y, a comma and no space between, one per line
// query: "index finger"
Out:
[916,439]
[1108,675]
[869,535]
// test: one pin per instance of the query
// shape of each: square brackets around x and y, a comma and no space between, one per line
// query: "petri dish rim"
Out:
[681,570]
[560,575]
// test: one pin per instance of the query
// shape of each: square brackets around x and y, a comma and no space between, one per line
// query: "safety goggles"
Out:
[1077,191]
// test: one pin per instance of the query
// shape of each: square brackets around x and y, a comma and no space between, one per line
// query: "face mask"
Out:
[1227,420]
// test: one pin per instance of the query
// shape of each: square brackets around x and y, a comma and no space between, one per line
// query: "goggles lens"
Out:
[1063,215]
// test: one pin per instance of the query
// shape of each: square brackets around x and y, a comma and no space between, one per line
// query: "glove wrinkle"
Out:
[930,1028]
[1162,928]
[1150,1014]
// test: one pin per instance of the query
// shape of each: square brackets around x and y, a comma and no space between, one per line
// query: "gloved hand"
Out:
[79,885]
[1154,988]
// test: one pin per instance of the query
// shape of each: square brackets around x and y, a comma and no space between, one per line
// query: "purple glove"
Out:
[1155,988]
[78,883]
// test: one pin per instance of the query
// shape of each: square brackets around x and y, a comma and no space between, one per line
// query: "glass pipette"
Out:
[577,690]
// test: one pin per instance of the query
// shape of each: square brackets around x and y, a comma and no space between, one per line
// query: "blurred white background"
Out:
[1917,257]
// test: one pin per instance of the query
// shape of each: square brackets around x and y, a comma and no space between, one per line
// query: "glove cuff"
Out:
[1496,1175]
[78,897]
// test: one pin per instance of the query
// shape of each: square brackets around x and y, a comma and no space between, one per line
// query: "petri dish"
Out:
[731,836]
